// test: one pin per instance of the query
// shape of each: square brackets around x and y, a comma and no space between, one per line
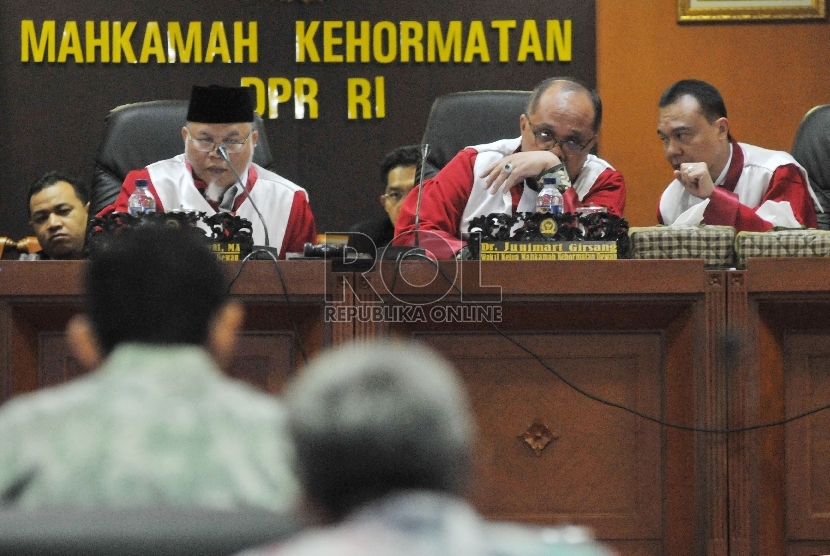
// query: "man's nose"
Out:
[672,148]
[557,150]
[55,221]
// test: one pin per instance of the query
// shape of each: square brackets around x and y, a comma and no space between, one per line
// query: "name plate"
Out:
[229,251]
[548,250]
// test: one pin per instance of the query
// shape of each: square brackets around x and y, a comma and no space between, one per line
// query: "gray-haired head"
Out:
[373,418]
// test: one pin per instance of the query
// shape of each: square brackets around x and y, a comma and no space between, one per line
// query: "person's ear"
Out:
[382,199]
[723,126]
[83,342]
[184,136]
[224,331]
[523,123]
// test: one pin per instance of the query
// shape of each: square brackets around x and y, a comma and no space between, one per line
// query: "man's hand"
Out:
[694,176]
[514,168]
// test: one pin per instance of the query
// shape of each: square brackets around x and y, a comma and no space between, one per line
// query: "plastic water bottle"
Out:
[141,201]
[549,198]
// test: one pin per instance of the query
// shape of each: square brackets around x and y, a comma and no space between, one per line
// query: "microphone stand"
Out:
[424,153]
[223,154]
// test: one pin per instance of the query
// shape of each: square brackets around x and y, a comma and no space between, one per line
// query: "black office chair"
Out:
[811,148]
[459,120]
[142,133]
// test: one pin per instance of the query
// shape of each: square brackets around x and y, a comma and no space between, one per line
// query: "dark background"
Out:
[53,114]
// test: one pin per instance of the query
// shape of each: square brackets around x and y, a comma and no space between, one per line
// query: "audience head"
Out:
[156,284]
[811,148]
[218,116]
[369,419]
[58,214]
[692,125]
[564,117]
[397,173]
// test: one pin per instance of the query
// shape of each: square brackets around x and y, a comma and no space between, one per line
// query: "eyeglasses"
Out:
[207,145]
[546,141]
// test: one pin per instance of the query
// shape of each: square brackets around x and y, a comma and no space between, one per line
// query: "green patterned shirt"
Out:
[155,425]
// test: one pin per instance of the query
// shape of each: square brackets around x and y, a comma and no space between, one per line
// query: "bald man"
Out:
[558,131]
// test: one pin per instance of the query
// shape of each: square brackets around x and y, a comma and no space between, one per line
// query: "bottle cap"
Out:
[141,183]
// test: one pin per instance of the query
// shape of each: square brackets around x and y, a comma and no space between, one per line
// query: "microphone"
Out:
[424,153]
[223,153]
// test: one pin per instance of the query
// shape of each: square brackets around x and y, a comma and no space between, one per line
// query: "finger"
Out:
[503,184]
[696,171]
[489,169]
[491,178]
[496,168]
[498,174]
[496,184]
[682,176]
[695,177]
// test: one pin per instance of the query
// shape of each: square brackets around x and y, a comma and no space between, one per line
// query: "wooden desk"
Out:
[779,477]
[38,298]
[644,334]
[713,349]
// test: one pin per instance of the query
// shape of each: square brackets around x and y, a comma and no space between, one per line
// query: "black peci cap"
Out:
[216,104]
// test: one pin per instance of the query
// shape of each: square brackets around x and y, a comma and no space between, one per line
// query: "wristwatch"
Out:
[558,170]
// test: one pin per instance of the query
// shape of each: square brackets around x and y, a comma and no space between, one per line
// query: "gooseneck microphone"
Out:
[424,153]
[223,153]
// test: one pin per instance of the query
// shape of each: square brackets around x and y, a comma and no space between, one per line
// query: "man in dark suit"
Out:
[397,174]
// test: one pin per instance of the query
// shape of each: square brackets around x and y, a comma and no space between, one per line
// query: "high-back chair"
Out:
[811,148]
[459,120]
[142,133]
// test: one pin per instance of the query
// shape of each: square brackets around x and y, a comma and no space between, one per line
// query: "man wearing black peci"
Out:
[201,180]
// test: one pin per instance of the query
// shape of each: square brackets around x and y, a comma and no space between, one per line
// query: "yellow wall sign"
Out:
[316,42]
[385,42]
[116,42]
[327,42]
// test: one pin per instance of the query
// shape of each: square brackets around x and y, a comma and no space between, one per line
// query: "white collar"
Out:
[722,176]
